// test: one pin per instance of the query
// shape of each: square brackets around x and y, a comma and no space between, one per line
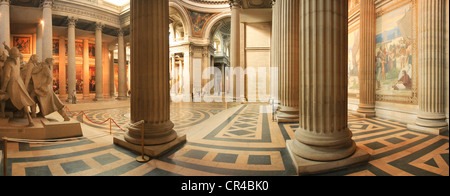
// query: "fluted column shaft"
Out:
[431,64]
[323,134]
[5,29]
[273,53]
[150,100]
[289,60]
[122,85]
[47,36]
[367,62]
[98,62]
[71,69]
[86,76]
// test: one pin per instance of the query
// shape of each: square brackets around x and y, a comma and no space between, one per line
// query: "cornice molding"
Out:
[86,13]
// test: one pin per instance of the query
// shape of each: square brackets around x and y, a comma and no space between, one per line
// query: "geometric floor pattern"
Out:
[239,141]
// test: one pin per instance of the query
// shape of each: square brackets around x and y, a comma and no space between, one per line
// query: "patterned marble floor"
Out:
[237,140]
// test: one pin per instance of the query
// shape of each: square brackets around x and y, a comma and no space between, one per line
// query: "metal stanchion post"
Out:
[110,131]
[143,158]
[5,155]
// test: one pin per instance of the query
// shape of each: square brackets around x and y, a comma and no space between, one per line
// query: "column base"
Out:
[151,151]
[363,114]
[307,167]
[122,98]
[98,99]
[287,115]
[430,130]
[365,111]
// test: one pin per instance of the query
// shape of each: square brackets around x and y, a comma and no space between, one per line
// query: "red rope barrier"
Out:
[84,114]
[117,124]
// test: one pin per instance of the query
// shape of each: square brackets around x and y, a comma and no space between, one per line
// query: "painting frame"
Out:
[408,97]
[24,43]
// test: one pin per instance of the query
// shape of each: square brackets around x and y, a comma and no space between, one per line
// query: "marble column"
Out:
[273,53]
[431,93]
[71,65]
[5,28]
[367,78]
[235,53]
[289,61]
[39,32]
[86,72]
[323,140]
[112,91]
[122,85]
[98,62]
[62,66]
[150,98]
[47,36]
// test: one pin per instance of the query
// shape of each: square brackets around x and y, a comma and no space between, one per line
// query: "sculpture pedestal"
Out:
[151,151]
[42,129]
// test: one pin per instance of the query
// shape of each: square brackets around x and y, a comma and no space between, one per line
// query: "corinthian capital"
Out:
[47,3]
[99,26]
[235,3]
[4,2]
[72,21]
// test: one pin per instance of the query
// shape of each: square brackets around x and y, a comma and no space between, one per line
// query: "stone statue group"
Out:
[27,85]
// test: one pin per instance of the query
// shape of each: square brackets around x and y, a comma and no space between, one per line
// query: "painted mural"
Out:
[353,61]
[23,43]
[198,21]
[394,56]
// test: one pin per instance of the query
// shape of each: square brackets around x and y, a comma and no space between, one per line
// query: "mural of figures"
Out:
[394,52]
[198,22]
[353,61]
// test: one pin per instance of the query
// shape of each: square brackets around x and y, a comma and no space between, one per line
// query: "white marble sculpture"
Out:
[28,85]
[12,84]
